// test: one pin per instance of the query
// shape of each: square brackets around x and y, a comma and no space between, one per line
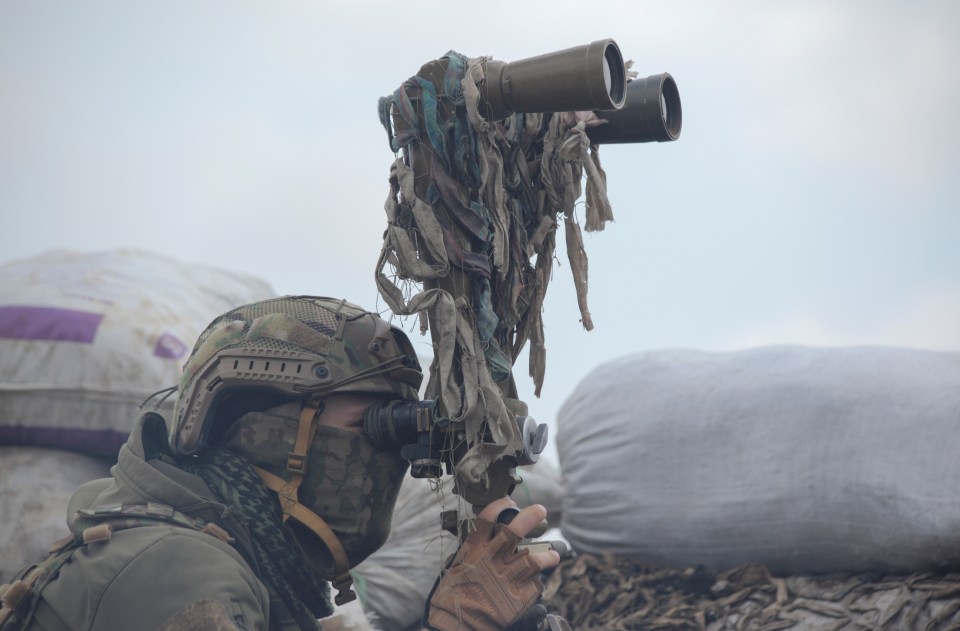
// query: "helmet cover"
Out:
[288,348]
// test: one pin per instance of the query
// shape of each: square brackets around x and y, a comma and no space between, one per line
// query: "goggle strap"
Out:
[342,580]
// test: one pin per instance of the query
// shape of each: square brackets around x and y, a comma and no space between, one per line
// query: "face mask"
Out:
[353,486]
[349,483]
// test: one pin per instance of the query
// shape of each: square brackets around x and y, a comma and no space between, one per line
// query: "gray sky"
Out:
[812,197]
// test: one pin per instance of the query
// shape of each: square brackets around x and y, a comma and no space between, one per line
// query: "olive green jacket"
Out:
[154,576]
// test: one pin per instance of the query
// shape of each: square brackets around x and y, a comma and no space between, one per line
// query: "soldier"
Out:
[264,490]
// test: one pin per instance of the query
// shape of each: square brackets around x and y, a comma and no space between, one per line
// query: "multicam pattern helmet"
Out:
[294,347]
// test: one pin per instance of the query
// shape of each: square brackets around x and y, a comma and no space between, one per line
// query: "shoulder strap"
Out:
[288,492]
[18,599]
[98,524]
[314,522]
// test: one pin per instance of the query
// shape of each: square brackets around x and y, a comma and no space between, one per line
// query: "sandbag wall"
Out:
[805,460]
[35,485]
[85,338]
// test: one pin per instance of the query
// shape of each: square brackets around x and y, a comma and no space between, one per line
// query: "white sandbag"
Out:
[35,486]
[85,338]
[807,460]
[349,617]
[540,484]
[394,582]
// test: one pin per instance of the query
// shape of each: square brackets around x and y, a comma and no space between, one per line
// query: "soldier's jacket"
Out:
[161,575]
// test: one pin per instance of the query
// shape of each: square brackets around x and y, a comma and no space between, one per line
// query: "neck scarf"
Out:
[282,565]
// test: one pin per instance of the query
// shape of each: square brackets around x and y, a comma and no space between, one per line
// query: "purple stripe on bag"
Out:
[94,442]
[170,346]
[48,323]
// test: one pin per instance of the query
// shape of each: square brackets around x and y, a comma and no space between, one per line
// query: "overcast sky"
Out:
[812,197]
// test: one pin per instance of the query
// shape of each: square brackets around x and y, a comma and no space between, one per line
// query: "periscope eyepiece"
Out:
[424,438]
[413,426]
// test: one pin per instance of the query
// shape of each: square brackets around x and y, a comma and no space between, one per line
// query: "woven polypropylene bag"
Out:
[86,337]
[397,578]
[35,485]
[806,460]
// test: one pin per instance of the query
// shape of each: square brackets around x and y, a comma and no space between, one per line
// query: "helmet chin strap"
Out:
[288,493]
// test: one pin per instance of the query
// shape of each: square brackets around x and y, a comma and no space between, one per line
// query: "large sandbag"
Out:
[541,484]
[806,460]
[395,580]
[349,617]
[35,486]
[85,338]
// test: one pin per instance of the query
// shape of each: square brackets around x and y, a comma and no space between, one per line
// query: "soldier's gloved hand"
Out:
[490,584]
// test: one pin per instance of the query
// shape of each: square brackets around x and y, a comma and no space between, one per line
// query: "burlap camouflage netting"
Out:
[621,594]
[472,216]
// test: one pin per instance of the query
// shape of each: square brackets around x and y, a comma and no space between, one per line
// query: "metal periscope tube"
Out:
[651,113]
[582,78]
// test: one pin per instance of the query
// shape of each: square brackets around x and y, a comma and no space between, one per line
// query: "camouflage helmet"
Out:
[293,347]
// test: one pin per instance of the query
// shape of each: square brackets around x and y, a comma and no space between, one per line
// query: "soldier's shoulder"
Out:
[148,574]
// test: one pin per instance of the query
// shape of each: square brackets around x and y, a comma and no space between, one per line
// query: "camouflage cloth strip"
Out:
[619,593]
[501,187]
